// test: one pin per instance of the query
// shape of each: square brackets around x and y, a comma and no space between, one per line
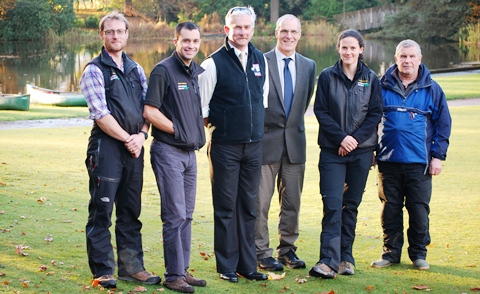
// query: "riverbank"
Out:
[77,122]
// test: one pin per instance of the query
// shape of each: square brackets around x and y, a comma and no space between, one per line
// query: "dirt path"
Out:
[45,123]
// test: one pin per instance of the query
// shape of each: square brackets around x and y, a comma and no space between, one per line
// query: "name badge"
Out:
[256,70]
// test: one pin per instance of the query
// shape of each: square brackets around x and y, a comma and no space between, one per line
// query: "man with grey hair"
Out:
[115,157]
[413,141]
[292,82]
[234,100]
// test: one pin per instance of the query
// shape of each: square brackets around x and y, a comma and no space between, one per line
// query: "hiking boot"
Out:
[421,264]
[323,271]
[192,281]
[381,263]
[346,268]
[142,277]
[179,285]
[106,281]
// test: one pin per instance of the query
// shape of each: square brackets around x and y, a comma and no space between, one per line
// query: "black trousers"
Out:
[342,183]
[115,178]
[235,176]
[410,185]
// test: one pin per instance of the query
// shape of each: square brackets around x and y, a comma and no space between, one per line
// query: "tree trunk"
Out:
[274,10]
[128,8]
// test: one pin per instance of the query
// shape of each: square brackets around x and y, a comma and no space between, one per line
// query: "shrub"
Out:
[79,23]
[32,20]
[92,21]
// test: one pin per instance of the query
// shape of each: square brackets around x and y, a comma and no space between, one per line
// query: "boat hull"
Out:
[15,102]
[51,97]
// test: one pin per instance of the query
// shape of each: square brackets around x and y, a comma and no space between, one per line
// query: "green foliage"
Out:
[32,20]
[470,33]
[92,21]
[26,21]
[295,7]
[79,22]
[427,20]
[221,7]
[62,15]
[328,8]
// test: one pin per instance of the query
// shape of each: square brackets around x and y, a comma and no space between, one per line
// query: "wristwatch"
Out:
[145,133]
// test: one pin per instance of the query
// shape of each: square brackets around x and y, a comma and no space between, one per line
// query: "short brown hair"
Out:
[114,15]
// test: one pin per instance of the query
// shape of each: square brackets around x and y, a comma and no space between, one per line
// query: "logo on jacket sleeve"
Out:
[182,86]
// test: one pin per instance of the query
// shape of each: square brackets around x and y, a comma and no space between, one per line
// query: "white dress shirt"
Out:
[281,66]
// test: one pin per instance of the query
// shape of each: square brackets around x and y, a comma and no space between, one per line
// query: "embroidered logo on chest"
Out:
[363,83]
[182,86]
[256,70]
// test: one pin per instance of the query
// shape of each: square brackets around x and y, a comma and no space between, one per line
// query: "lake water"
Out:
[60,67]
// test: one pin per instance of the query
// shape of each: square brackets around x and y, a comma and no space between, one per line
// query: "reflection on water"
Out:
[60,67]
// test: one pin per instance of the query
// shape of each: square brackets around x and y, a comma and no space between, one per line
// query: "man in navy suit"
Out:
[284,144]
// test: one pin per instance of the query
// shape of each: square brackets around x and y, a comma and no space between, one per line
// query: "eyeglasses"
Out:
[285,32]
[239,8]
[112,32]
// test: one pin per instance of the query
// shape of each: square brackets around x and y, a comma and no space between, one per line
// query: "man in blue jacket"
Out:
[413,142]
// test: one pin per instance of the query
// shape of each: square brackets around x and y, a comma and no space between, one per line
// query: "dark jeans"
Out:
[342,183]
[235,177]
[410,185]
[176,175]
[115,178]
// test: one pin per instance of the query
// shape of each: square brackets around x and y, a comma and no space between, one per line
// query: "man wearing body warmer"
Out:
[234,90]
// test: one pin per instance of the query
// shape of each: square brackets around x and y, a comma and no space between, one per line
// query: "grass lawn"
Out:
[460,86]
[43,212]
[43,112]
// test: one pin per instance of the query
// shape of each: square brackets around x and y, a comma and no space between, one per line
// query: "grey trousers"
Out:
[176,174]
[289,179]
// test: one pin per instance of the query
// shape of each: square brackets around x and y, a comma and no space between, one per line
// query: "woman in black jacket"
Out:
[348,107]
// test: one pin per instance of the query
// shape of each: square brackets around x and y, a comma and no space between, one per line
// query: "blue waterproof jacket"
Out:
[416,128]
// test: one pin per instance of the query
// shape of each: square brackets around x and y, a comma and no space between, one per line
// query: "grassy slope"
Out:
[47,165]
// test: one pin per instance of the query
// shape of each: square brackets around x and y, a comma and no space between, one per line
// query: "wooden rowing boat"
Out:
[14,101]
[52,97]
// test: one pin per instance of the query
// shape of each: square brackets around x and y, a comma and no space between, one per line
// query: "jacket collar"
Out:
[194,69]
[424,78]
[128,64]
